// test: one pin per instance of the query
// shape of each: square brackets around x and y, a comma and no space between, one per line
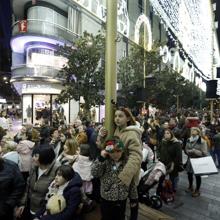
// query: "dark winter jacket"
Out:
[171,151]
[45,134]
[12,186]
[72,195]
[93,150]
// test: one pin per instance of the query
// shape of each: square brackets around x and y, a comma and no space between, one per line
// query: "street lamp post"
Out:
[110,64]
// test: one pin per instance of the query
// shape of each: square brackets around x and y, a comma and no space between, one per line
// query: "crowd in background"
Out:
[64,171]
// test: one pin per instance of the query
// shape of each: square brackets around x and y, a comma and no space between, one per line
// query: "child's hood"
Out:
[25,146]
[135,128]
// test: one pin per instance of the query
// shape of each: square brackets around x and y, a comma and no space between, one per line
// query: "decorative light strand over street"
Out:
[191,22]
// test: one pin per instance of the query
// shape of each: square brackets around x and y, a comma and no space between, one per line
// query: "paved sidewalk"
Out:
[205,207]
[185,207]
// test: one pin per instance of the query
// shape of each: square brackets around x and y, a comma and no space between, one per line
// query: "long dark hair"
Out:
[171,133]
[128,114]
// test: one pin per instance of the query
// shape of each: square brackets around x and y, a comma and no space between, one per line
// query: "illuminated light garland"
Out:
[99,10]
[177,60]
[143,19]
[191,23]
[164,52]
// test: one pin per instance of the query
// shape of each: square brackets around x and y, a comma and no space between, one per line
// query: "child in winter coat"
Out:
[114,192]
[83,166]
[63,197]
[130,134]
[25,149]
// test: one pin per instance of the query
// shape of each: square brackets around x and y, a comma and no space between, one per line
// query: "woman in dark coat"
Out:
[12,187]
[68,184]
[170,153]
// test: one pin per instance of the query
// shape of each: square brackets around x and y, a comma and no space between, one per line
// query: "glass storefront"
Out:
[27,109]
[41,108]
[38,107]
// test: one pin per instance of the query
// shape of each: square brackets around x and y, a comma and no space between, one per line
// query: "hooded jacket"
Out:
[24,149]
[83,166]
[72,195]
[131,138]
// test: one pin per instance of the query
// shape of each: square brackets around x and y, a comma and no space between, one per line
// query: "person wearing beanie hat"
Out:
[114,192]
[195,147]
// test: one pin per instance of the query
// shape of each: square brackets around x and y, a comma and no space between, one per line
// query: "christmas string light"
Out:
[191,23]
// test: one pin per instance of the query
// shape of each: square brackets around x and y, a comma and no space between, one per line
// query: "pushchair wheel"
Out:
[156,202]
[144,198]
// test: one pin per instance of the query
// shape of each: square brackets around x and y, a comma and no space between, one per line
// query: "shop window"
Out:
[27,109]
[42,109]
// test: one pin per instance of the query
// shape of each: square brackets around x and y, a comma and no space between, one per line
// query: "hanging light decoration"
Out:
[191,23]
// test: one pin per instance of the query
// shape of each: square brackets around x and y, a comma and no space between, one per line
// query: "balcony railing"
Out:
[23,71]
[46,28]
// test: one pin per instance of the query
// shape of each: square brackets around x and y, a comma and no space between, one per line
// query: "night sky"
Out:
[6,90]
[5,35]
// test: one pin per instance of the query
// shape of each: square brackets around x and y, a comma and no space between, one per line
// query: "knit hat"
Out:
[114,144]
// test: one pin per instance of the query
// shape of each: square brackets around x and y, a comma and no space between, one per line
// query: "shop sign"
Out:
[97,8]
[41,88]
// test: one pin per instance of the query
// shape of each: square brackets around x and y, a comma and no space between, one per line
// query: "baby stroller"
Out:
[148,180]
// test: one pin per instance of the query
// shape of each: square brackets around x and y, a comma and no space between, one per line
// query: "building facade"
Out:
[40,26]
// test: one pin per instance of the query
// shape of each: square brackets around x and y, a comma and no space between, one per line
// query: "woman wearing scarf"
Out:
[195,147]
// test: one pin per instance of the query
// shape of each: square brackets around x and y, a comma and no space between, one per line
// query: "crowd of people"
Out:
[63,172]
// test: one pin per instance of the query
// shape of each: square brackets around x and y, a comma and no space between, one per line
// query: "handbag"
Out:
[167,194]
[203,166]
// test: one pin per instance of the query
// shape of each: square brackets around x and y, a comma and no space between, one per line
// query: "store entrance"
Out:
[39,107]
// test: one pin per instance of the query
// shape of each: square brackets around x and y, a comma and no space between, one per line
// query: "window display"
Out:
[41,105]
[27,109]
[37,108]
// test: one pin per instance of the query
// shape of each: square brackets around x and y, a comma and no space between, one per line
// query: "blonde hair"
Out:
[72,146]
[9,146]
